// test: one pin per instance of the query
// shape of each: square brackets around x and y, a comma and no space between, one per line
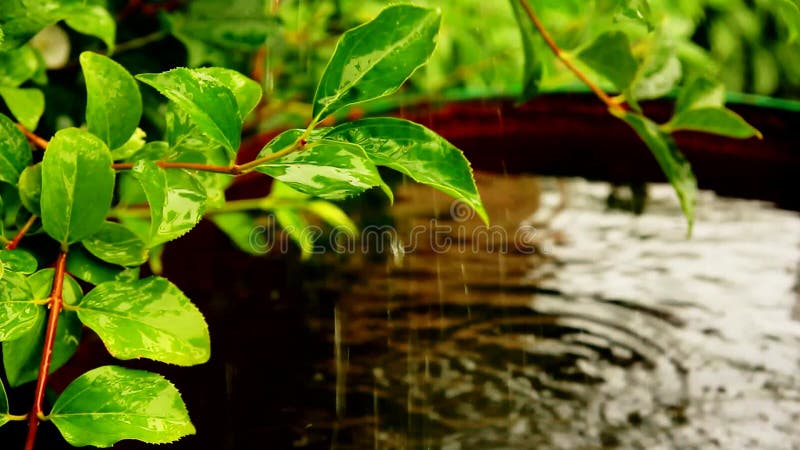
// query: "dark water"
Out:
[591,329]
[618,333]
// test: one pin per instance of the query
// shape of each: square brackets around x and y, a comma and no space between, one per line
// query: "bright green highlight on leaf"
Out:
[324,168]
[176,198]
[374,59]
[246,91]
[17,261]
[714,120]
[87,267]
[113,101]
[417,152]
[149,318]
[15,153]
[18,311]
[210,104]
[672,162]
[21,357]
[77,185]
[110,403]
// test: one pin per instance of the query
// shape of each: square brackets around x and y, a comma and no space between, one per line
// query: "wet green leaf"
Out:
[113,101]
[26,104]
[15,153]
[610,56]
[18,260]
[210,104]
[110,403]
[714,120]
[116,244]
[533,68]
[30,188]
[86,267]
[77,185]
[18,312]
[417,152]
[21,357]
[149,318]
[374,59]
[176,198]
[672,162]
[324,168]
[246,91]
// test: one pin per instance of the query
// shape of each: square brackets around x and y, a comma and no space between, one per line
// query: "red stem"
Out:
[33,137]
[232,170]
[20,234]
[56,301]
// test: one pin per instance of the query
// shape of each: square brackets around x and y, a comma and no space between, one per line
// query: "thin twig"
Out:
[610,102]
[56,301]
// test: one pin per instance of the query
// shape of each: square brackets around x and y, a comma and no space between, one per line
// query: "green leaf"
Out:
[324,168]
[658,75]
[86,267]
[610,56]
[672,162]
[15,153]
[719,121]
[110,403]
[30,188]
[23,19]
[220,33]
[176,198]
[26,104]
[334,216]
[374,59]
[113,101]
[533,68]
[21,357]
[790,16]
[246,91]
[240,227]
[18,312]
[17,261]
[116,244]
[210,104]
[135,143]
[4,411]
[297,227]
[92,20]
[417,152]
[77,185]
[17,66]
[149,318]
[701,93]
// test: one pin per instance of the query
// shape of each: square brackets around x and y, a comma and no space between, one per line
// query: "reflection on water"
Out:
[618,333]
